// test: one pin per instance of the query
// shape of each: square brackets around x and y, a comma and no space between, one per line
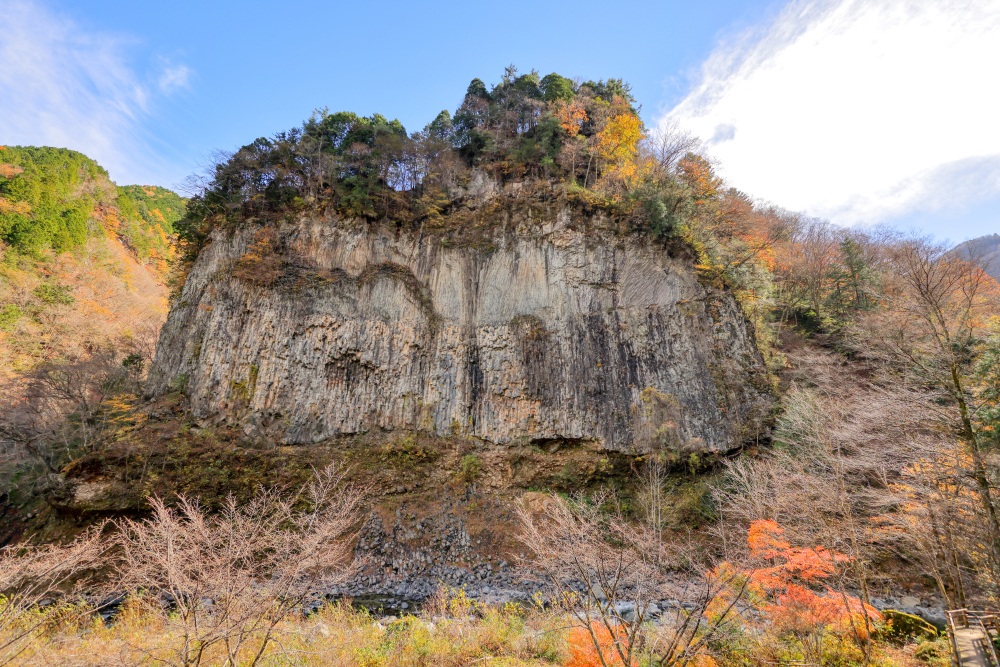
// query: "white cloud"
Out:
[60,86]
[174,78]
[857,110]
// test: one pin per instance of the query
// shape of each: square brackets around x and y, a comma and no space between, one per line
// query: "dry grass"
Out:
[451,632]
[337,635]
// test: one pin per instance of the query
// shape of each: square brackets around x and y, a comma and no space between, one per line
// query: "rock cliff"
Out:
[546,330]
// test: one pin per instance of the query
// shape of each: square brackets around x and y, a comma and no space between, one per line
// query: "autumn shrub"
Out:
[232,579]
[933,652]
[498,629]
[793,612]
[595,646]
[40,591]
[902,627]
[611,571]
[339,635]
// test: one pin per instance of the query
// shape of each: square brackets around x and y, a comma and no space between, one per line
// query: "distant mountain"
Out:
[986,250]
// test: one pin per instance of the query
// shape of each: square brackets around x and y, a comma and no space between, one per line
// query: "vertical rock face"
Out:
[323,328]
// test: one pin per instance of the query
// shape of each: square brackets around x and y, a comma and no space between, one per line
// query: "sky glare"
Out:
[860,111]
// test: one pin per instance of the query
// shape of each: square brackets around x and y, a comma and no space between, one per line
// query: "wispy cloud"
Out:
[62,86]
[857,110]
[173,78]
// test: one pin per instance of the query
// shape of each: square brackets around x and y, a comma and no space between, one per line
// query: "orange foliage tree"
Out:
[795,596]
[698,174]
[571,116]
[596,647]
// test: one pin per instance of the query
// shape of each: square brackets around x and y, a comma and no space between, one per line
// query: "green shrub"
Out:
[692,504]
[179,384]
[660,219]
[469,468]
[54,294]
[9,315]
[903,627]
[935,652]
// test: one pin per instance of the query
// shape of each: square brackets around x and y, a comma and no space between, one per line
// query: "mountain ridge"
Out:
[984,250]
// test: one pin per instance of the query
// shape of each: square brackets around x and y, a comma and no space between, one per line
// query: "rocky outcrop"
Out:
[553,330]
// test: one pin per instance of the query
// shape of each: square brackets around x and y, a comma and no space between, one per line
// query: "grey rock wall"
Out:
[550,331]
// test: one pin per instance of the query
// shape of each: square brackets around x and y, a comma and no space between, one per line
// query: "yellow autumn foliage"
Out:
[618,142]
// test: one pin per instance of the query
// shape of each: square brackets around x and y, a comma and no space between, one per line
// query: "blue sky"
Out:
[778,91]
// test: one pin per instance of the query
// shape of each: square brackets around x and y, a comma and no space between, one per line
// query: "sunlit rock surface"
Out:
[533,333]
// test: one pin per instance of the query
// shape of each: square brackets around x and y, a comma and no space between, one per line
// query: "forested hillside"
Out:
[55,199]
[83,267]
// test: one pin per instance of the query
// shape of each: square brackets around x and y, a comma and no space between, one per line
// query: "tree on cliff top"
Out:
[369,167]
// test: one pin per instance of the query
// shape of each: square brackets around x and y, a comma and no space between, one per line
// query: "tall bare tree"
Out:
[930,331]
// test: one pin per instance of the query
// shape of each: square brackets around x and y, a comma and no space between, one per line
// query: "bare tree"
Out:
[930,332]
[61,407]
[935,523]
[809,258]
[845,447]
[52,576]
[667,145]
[608,574]
[232,578]
[867,462]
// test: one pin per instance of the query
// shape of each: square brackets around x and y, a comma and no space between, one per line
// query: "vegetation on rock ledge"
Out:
[586,136]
